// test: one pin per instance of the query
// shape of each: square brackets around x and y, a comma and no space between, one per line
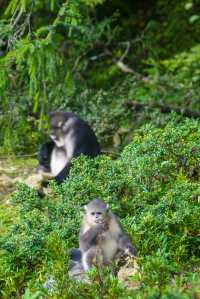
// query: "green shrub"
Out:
[154,189]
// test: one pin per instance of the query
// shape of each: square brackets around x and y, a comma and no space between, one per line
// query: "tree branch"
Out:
[137,106]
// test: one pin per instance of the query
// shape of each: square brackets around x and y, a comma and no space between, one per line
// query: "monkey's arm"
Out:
[44,155]
[90,237]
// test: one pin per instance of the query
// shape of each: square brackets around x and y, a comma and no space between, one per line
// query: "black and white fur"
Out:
[102,238]
[70,137]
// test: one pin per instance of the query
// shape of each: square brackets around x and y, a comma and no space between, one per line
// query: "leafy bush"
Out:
[53,54]
[154,189]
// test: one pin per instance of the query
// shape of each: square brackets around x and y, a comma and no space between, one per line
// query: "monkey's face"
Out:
[57,136]
[96,211]
[96,216]
[57,133]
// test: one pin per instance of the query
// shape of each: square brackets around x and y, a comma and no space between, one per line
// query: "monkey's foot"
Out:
[77,273]
[46,175]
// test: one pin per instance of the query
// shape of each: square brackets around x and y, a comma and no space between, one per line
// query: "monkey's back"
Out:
[87,142]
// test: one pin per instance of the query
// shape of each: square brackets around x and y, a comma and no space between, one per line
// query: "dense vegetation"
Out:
[121,65]
[154,189]
[92,56]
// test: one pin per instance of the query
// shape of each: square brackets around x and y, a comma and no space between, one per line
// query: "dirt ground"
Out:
[13,171]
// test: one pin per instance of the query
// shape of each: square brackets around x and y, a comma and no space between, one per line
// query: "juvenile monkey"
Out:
[102,238]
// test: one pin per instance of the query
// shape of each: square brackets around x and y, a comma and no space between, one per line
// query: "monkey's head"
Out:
[96,212]
[58,126]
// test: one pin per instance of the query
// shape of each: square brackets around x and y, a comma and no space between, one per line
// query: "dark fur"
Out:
[85,143]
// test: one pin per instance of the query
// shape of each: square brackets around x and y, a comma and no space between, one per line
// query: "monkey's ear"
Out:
[83,209]
[82,213]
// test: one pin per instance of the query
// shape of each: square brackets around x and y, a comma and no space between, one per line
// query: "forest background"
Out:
[131,69]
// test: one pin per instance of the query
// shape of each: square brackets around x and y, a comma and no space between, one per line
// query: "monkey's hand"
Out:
[130,251]
[91,236]
[45,173]
[101,229]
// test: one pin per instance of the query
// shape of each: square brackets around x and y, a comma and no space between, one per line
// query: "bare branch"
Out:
[126,51]
[17,156]
[138,106]
[16,20]
[124,67]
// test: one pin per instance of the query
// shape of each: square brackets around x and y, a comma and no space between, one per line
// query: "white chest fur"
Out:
[58,160]
[109,247]
[109,244]
[63,153]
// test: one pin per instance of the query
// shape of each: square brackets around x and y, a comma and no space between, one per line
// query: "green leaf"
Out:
[193,19]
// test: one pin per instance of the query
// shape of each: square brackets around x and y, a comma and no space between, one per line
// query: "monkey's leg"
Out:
[44,155]
[43,168]
[86,260]
[93,257]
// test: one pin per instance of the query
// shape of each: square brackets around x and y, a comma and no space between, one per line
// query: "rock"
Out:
[50,285]
[77,272]
[126,273]
[34,181]
[116,140]
[5,180]
[18,180]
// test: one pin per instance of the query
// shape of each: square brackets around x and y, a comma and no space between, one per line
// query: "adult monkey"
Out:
[70,137]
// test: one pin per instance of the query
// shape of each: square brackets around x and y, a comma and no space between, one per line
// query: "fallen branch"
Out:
[119,62]
[18,156]
[124,67]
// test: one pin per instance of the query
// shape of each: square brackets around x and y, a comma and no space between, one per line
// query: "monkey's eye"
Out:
[99,213]
[93,213]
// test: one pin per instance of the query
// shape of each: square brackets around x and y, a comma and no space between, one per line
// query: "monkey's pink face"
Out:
[96,217]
